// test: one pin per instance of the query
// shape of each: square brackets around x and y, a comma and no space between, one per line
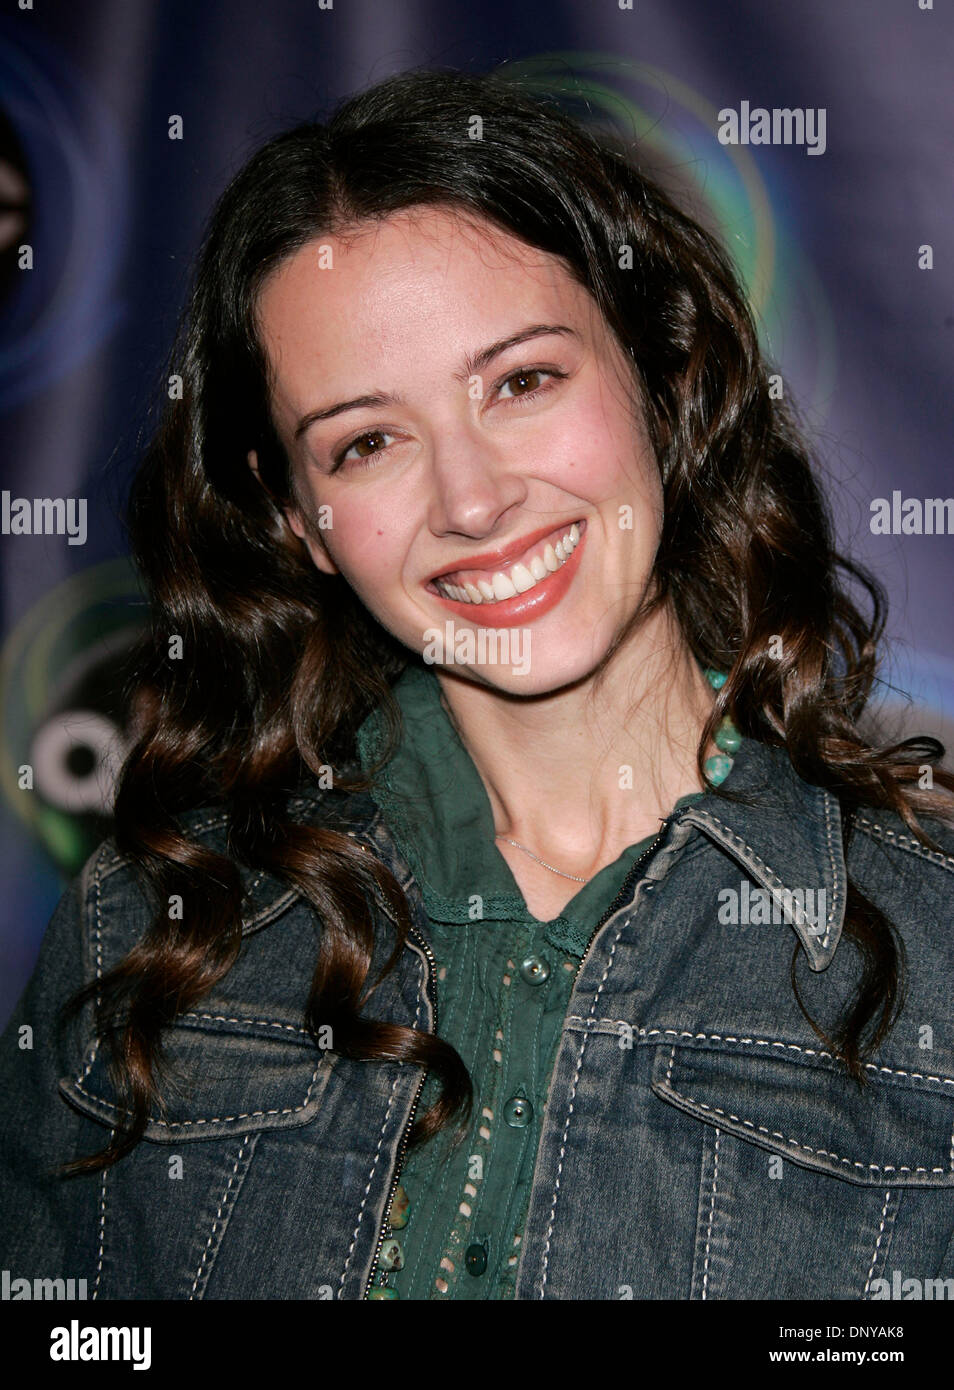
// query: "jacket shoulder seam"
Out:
[875,831]
[209,821]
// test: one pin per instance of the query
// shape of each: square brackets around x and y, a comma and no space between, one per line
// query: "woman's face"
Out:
[445,453]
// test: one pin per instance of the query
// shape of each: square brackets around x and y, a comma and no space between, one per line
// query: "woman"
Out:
[504,902]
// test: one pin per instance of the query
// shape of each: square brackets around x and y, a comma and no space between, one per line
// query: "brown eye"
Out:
[341,456]
[523,376]
[372,434]
[530,374]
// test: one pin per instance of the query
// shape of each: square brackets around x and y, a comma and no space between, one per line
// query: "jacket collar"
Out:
[787,835]
[784,832]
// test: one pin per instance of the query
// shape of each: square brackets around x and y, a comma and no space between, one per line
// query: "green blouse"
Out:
[503,986]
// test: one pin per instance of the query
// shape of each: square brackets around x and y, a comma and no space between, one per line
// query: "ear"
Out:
[315,546]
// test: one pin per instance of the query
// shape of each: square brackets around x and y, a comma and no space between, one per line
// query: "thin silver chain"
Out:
[575,877]
[517,845]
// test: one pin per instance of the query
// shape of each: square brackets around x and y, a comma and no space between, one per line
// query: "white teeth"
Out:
[521,578]
[537,568]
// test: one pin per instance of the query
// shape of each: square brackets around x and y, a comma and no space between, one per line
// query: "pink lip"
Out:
[522,607]
[501,559]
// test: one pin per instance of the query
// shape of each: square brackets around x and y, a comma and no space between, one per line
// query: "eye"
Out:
[523,374]
[364,459]
[530,372]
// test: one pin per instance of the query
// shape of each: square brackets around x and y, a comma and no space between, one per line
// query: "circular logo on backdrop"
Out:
[65,719]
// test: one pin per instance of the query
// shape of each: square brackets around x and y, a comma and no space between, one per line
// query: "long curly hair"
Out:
[283,663]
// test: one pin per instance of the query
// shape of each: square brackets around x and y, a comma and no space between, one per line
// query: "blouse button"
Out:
[535,970]
[475,1259]
[518,1112]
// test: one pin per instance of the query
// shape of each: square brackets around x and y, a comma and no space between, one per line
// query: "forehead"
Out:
[427,276]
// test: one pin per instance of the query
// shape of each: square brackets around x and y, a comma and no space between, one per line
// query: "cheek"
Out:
[366,546]
[602,453]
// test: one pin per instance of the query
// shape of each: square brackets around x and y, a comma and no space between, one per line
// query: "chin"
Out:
[528,678]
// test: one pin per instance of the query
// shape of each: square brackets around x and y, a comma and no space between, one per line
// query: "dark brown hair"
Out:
[283,662]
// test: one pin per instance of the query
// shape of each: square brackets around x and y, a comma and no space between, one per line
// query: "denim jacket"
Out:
[699,1141]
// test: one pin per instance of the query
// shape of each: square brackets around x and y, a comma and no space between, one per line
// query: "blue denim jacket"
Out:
[698,1141]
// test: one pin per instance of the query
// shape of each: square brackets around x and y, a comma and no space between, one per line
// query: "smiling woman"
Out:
[366,883]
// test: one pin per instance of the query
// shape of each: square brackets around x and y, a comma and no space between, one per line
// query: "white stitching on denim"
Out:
[364,1198]
[881,832]
[884,1212]
[624,918]
[836,886]
[377,1152]
[756,1042]
[215,1119]
[102,1226]
[263,1022]
[218,1215]
[770,873]
[270,911]
[715,1179]
[98,939]
[219,1018]
[115,859]
[796,1144]
[98,929]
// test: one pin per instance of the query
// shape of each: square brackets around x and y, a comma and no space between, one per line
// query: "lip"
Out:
[533,604]
[503,558]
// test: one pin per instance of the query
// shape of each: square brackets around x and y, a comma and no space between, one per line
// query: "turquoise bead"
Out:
[399,1209]
[381,1291]
[727,737]
[392,1256]
[718,768]
[716,679]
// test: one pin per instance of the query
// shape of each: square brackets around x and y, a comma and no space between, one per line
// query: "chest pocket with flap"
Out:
[219,1077]
[807,1185]
[898,1129]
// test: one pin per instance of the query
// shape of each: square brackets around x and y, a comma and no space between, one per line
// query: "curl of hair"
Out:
[284,662]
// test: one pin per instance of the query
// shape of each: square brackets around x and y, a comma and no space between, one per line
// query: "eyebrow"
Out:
[473,364]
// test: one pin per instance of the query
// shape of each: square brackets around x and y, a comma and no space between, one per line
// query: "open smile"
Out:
[532,585]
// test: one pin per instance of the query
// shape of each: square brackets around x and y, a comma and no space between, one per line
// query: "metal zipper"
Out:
[402,1151]
[614,906]
[625,888]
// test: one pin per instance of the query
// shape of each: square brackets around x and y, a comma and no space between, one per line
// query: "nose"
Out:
[472,484]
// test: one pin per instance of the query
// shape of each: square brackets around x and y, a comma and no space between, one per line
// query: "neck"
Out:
[551,764]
